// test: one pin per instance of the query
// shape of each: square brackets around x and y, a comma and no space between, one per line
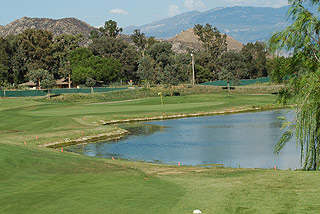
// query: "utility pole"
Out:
[193,76]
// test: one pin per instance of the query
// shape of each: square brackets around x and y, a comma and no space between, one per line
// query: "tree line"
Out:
[38,56]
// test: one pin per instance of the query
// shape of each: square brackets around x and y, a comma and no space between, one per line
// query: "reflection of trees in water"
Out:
[151,129]
[95,149]
[98,148]
[145,129]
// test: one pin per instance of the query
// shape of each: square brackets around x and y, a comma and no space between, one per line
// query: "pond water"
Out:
[237,140]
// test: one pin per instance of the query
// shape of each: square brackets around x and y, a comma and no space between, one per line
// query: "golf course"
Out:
[38,179]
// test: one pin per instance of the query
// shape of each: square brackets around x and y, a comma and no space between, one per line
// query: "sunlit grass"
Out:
[42,180]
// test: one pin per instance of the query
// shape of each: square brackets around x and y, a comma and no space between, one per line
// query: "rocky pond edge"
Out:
[87,139]
[201,114]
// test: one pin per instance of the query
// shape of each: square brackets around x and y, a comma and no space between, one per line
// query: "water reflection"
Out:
[245,140]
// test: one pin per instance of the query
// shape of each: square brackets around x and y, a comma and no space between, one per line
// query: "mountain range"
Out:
[181,42]
[245,24]
[57,27]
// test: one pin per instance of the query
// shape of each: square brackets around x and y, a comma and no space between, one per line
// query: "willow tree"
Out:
[303,37]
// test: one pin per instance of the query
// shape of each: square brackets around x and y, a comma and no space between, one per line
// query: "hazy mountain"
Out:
[245,24]
[188,40]
[166,28]
[57,27]
[74,26]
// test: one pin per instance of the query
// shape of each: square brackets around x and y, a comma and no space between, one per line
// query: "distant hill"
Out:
[57,27]
[181,42]
[188,40]
[245,24]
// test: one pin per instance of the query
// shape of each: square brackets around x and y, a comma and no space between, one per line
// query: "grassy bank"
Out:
[26,119]
[153,92]
[41,180]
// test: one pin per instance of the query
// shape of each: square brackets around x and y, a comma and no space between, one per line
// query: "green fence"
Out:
[39,93]
[242,82]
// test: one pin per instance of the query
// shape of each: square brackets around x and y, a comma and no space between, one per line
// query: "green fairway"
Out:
[37,181]
[25,119]
[34,179]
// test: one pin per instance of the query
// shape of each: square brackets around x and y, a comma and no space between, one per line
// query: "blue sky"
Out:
[125,12]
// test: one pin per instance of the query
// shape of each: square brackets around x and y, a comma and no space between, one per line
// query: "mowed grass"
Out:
[29,118]
[41,180]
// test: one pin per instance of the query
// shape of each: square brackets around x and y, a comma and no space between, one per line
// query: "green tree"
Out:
[232,67]
[146,70]
[35,49]
[255,56]
[78,57]
[183,66]
[118,49]
[17,66]
[62,46]
[40,76]
[81,73]
[94,34]
[90,82]
[105,69]
[4,62]
[169,67]
[162,53]
[208,67]
[170,77]
[110,29]
[151,41]
[49,82]
[139,40]
[84,64]
[282,68]
[162,65]
[304,38]
[202,74]
[215,46]
[214,42]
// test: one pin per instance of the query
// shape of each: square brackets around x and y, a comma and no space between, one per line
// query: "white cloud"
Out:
[119,12]
[173,10]
[194,4]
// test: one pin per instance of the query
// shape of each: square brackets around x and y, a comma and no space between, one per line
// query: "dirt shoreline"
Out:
[168,117]
[87,139]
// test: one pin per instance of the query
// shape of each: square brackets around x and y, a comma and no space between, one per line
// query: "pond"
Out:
[237,140]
